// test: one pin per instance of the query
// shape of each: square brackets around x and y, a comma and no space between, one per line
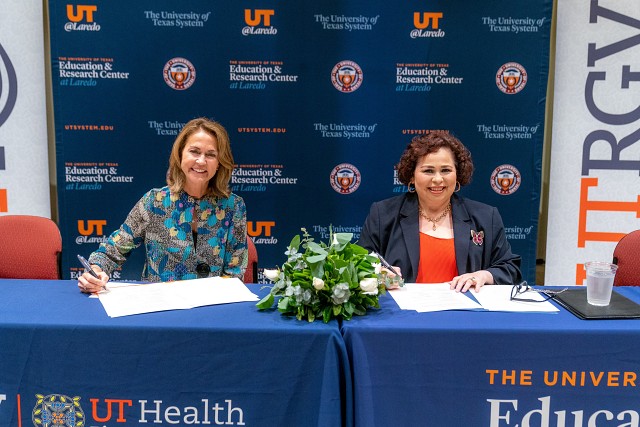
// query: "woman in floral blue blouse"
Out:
[194,227]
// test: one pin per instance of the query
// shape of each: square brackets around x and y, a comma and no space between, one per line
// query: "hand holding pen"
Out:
[388,266]
[92,281]
[391,282]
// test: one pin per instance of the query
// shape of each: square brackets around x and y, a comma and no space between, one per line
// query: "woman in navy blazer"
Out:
[432,234]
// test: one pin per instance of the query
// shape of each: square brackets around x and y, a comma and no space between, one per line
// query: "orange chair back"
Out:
[251,274]
[30,247]
[627,256]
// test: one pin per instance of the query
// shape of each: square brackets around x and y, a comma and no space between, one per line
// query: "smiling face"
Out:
[435,179]
[199,162]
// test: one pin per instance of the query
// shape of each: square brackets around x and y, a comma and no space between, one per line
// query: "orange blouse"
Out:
[437,260]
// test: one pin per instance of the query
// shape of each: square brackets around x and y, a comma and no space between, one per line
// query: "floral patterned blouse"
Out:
[162,222]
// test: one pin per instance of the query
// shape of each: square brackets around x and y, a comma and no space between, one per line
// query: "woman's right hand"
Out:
[91,285]
[393,280]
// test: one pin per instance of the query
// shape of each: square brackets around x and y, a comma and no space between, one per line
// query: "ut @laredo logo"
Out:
[345,178]
[179,73]
[90,226]
[76,18]
[81,13]
[422,22]
[57,410]
[511,78]
[259,15]
[261,232]
[505,180]
[346,76]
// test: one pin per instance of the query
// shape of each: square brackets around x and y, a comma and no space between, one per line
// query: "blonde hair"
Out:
[219,184]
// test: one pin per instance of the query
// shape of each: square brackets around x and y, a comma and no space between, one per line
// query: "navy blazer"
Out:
[392,230]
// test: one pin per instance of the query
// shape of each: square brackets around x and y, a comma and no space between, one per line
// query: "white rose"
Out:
[271,274]
[369,286]
[318,283]
[377,267]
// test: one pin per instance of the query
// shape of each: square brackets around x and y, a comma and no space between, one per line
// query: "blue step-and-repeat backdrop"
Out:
[319,98]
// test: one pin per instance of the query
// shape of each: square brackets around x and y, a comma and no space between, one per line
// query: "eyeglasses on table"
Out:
[522,288]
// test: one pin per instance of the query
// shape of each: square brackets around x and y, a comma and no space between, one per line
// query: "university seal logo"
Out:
[505,180]
[346,76]
[57,410]
[511,78]
[179,73]
[8,86]
[345,178]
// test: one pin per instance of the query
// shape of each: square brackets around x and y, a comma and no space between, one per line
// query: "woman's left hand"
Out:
[475,280]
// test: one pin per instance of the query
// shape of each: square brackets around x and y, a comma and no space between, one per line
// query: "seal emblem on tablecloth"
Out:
[57,410]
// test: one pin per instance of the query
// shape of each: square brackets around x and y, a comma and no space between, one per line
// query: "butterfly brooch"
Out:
[477,237]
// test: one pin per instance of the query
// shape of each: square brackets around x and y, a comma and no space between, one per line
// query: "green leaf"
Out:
[326,314]
[359,250]
[311,316]
[349,307]
[316,248]
[336,310]
[295,242]
[341,264]
[283,304]
[349,276]
[344,238]
[265,302]
[316,258]
[359,310]
[317,269]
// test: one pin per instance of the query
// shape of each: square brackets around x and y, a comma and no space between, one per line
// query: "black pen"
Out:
[87,267]
[387,265]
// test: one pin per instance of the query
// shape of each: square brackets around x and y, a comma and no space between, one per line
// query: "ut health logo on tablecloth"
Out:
[59,409]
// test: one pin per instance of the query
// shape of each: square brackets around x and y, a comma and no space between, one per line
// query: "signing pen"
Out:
[387,265]
[87,266]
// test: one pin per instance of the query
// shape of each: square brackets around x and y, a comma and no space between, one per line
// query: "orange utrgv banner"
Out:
[587,205]
[4,206]
[594,180]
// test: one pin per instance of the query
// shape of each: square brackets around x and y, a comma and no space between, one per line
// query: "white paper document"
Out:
[432,297]
[423,297]
[124,299]
[498,298]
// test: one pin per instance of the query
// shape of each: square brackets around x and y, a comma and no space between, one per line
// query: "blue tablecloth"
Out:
[217,365]
[464,368]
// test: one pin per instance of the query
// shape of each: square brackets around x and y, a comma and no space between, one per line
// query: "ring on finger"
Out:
[474,280]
